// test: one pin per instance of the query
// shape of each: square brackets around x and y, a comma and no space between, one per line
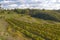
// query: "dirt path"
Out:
[3,26]
[4,35]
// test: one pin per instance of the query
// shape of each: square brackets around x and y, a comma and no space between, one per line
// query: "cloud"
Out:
[13,5]
[40,4]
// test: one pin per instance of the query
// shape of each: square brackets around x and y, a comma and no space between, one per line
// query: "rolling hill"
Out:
[27,24]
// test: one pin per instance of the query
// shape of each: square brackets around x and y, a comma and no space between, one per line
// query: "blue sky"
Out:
[39,4]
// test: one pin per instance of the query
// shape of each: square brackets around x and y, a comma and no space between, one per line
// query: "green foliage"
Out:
[35,31]
[32,23]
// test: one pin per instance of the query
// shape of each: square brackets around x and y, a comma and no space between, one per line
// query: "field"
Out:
[20,24]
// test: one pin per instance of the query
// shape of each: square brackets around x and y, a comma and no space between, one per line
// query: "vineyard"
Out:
[42,26]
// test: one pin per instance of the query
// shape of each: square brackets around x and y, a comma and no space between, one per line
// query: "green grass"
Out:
[41,25]
[36,31]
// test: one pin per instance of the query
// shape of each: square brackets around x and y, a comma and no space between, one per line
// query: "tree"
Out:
[27,11]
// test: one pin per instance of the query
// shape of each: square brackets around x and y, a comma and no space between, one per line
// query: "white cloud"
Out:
[13,5]
[47,4]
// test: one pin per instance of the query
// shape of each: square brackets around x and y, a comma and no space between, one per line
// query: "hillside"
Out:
[26,24]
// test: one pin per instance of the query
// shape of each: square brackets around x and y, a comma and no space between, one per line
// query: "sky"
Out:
[38,4]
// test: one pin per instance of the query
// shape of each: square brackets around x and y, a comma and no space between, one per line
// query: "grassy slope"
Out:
[26,27]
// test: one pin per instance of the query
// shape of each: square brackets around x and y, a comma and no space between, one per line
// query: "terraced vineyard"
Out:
[36,31]
[44,25]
